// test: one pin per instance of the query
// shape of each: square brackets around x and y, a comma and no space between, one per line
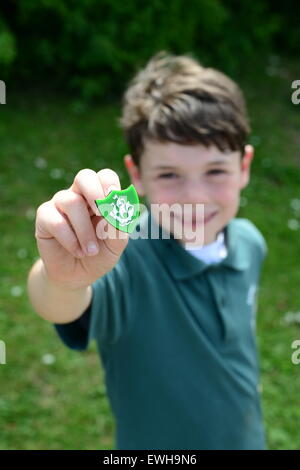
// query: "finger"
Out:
[74,206]
[109,180]
[92,185]
[87,185]
[50,223]
[106,231]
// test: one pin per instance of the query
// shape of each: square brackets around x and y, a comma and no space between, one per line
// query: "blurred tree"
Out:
[93,47]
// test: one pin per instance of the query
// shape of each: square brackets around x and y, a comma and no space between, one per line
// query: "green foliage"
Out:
[289,38]
[7,48]
[93,47]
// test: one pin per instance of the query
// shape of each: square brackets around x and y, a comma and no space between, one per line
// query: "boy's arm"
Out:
[53,302]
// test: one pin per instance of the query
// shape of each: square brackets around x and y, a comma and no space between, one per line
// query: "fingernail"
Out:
[92,248]
[110,188]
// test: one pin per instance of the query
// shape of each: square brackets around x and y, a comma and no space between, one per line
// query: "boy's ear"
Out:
[245,165]
[135,174]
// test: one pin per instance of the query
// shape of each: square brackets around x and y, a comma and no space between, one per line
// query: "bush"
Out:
[93,47]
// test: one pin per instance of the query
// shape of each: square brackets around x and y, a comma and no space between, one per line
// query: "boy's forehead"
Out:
[160,155]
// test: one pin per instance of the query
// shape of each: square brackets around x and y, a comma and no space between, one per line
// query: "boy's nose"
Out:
[195,193]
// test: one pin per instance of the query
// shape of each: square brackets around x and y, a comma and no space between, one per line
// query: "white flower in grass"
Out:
[293,224]
[57,173]
[291,317]
[295,204]
[16,291]
[243,201]
[40,163]
[30,213]
[22,253]
[48,359]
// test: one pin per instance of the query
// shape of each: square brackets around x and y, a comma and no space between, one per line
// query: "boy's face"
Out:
[172,173]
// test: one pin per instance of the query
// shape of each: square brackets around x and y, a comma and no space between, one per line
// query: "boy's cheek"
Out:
[230,194]
[233,204]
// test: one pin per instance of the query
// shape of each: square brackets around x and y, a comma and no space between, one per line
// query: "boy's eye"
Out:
[168,175]
[216,172]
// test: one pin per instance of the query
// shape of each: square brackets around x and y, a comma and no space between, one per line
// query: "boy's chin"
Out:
[195,236]
[189,234]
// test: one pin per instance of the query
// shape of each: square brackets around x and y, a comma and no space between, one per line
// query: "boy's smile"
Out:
[171,173]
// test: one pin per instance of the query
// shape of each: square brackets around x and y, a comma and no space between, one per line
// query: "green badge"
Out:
[121,208]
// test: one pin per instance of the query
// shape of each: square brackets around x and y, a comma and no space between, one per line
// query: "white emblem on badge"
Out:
[122,210]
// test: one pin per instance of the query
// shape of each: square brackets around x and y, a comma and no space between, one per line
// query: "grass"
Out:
[45,141]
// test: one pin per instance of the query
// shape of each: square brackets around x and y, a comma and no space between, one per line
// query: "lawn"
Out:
[54,398]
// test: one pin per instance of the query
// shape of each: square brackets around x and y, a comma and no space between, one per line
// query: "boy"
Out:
[174,325]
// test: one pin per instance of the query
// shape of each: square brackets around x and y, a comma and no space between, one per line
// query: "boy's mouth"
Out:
[194,220]
[209,217]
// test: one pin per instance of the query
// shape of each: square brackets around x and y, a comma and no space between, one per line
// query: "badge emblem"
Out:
[121,208]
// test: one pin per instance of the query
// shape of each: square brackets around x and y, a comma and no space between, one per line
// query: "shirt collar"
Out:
[183,265]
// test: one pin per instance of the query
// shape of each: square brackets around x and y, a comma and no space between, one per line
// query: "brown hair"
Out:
[175,98]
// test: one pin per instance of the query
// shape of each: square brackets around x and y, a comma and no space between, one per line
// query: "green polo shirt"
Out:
[177,341]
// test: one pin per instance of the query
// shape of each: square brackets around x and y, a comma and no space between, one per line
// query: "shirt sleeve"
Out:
[256,238]
[263,245]
[75,334]
[109,314]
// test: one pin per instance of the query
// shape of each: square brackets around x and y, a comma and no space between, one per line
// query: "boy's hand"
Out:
[70,223]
